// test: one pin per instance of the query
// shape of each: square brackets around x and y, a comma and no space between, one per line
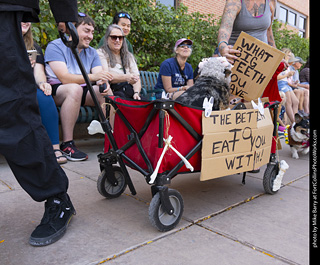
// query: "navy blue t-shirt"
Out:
[170,67]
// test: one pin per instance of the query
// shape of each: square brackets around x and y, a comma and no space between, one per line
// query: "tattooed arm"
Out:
[269,31]
[231,10]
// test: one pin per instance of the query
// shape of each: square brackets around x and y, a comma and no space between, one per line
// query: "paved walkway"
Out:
[224,222]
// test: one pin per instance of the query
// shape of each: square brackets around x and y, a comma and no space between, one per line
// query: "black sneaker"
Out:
[57,215]
[72,153]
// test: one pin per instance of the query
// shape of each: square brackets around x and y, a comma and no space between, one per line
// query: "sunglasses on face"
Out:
[185,46]
[124,15]
[114,38]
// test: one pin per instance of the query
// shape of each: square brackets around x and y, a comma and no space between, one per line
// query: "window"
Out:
[167,2]
[283,14]
[302,23]
[292,17]
[302,26]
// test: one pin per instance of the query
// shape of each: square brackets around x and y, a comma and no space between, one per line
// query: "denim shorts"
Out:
[283,86]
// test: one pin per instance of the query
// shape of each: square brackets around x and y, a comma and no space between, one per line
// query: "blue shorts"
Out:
[283,86]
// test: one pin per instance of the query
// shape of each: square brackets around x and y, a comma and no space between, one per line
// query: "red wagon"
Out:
[137,142]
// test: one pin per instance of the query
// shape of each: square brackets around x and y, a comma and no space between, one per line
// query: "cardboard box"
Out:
[235,141]
[255,67]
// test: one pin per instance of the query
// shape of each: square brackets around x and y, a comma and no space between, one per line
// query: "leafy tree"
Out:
[156,28]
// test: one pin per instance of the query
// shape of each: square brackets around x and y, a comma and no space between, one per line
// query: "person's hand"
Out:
[291,73]
[132,79]
[230,53]
[46,88]
[63,28]
[184,87]
[107,91]
[286,65]
[106,76]
[103,75]
[136,96]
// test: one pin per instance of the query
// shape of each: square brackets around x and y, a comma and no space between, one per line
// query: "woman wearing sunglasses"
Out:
[176,75]
[124,20]
[116,59]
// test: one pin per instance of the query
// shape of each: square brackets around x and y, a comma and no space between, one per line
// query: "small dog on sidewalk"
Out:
[297,135]
[213,81]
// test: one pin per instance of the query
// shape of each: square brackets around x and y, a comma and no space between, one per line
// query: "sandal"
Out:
[62,158]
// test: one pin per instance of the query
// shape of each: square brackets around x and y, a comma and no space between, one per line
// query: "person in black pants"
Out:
[23,139]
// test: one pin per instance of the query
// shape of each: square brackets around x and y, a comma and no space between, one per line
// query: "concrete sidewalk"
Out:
[224,222]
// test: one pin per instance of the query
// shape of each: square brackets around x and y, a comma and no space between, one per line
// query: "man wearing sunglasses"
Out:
[123,20]
[68,85]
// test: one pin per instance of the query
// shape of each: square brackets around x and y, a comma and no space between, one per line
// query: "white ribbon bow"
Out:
[167,146]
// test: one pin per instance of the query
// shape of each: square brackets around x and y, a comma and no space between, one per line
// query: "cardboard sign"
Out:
[235,141]
[255,67]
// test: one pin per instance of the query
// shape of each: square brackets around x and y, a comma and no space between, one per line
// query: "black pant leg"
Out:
[23,139]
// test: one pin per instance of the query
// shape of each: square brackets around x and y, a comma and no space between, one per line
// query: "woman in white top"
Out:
[117,60]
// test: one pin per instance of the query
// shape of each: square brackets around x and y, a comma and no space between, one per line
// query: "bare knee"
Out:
[75,92]
[288,98]
[295,101]
[100,97]
[69,93]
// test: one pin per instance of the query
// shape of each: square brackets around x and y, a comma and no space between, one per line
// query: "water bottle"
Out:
[153,96]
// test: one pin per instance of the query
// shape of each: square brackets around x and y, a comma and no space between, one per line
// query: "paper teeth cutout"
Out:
[165,95]
[95,127]
[259,106]
[207,105]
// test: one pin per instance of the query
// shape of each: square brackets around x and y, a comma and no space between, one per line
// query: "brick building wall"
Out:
[205,6]
[217,6]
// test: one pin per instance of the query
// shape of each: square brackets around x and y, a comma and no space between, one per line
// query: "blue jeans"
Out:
[49,115]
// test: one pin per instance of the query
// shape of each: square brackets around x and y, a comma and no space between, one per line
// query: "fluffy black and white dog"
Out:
[213,81]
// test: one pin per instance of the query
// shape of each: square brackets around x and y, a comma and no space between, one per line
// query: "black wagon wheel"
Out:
[108,189]
[268,178]
[159,218]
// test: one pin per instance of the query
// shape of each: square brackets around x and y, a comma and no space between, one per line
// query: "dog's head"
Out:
[218,67]
[301,126]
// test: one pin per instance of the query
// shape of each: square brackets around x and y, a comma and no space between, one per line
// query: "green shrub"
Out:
[156,28]
[286,38]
